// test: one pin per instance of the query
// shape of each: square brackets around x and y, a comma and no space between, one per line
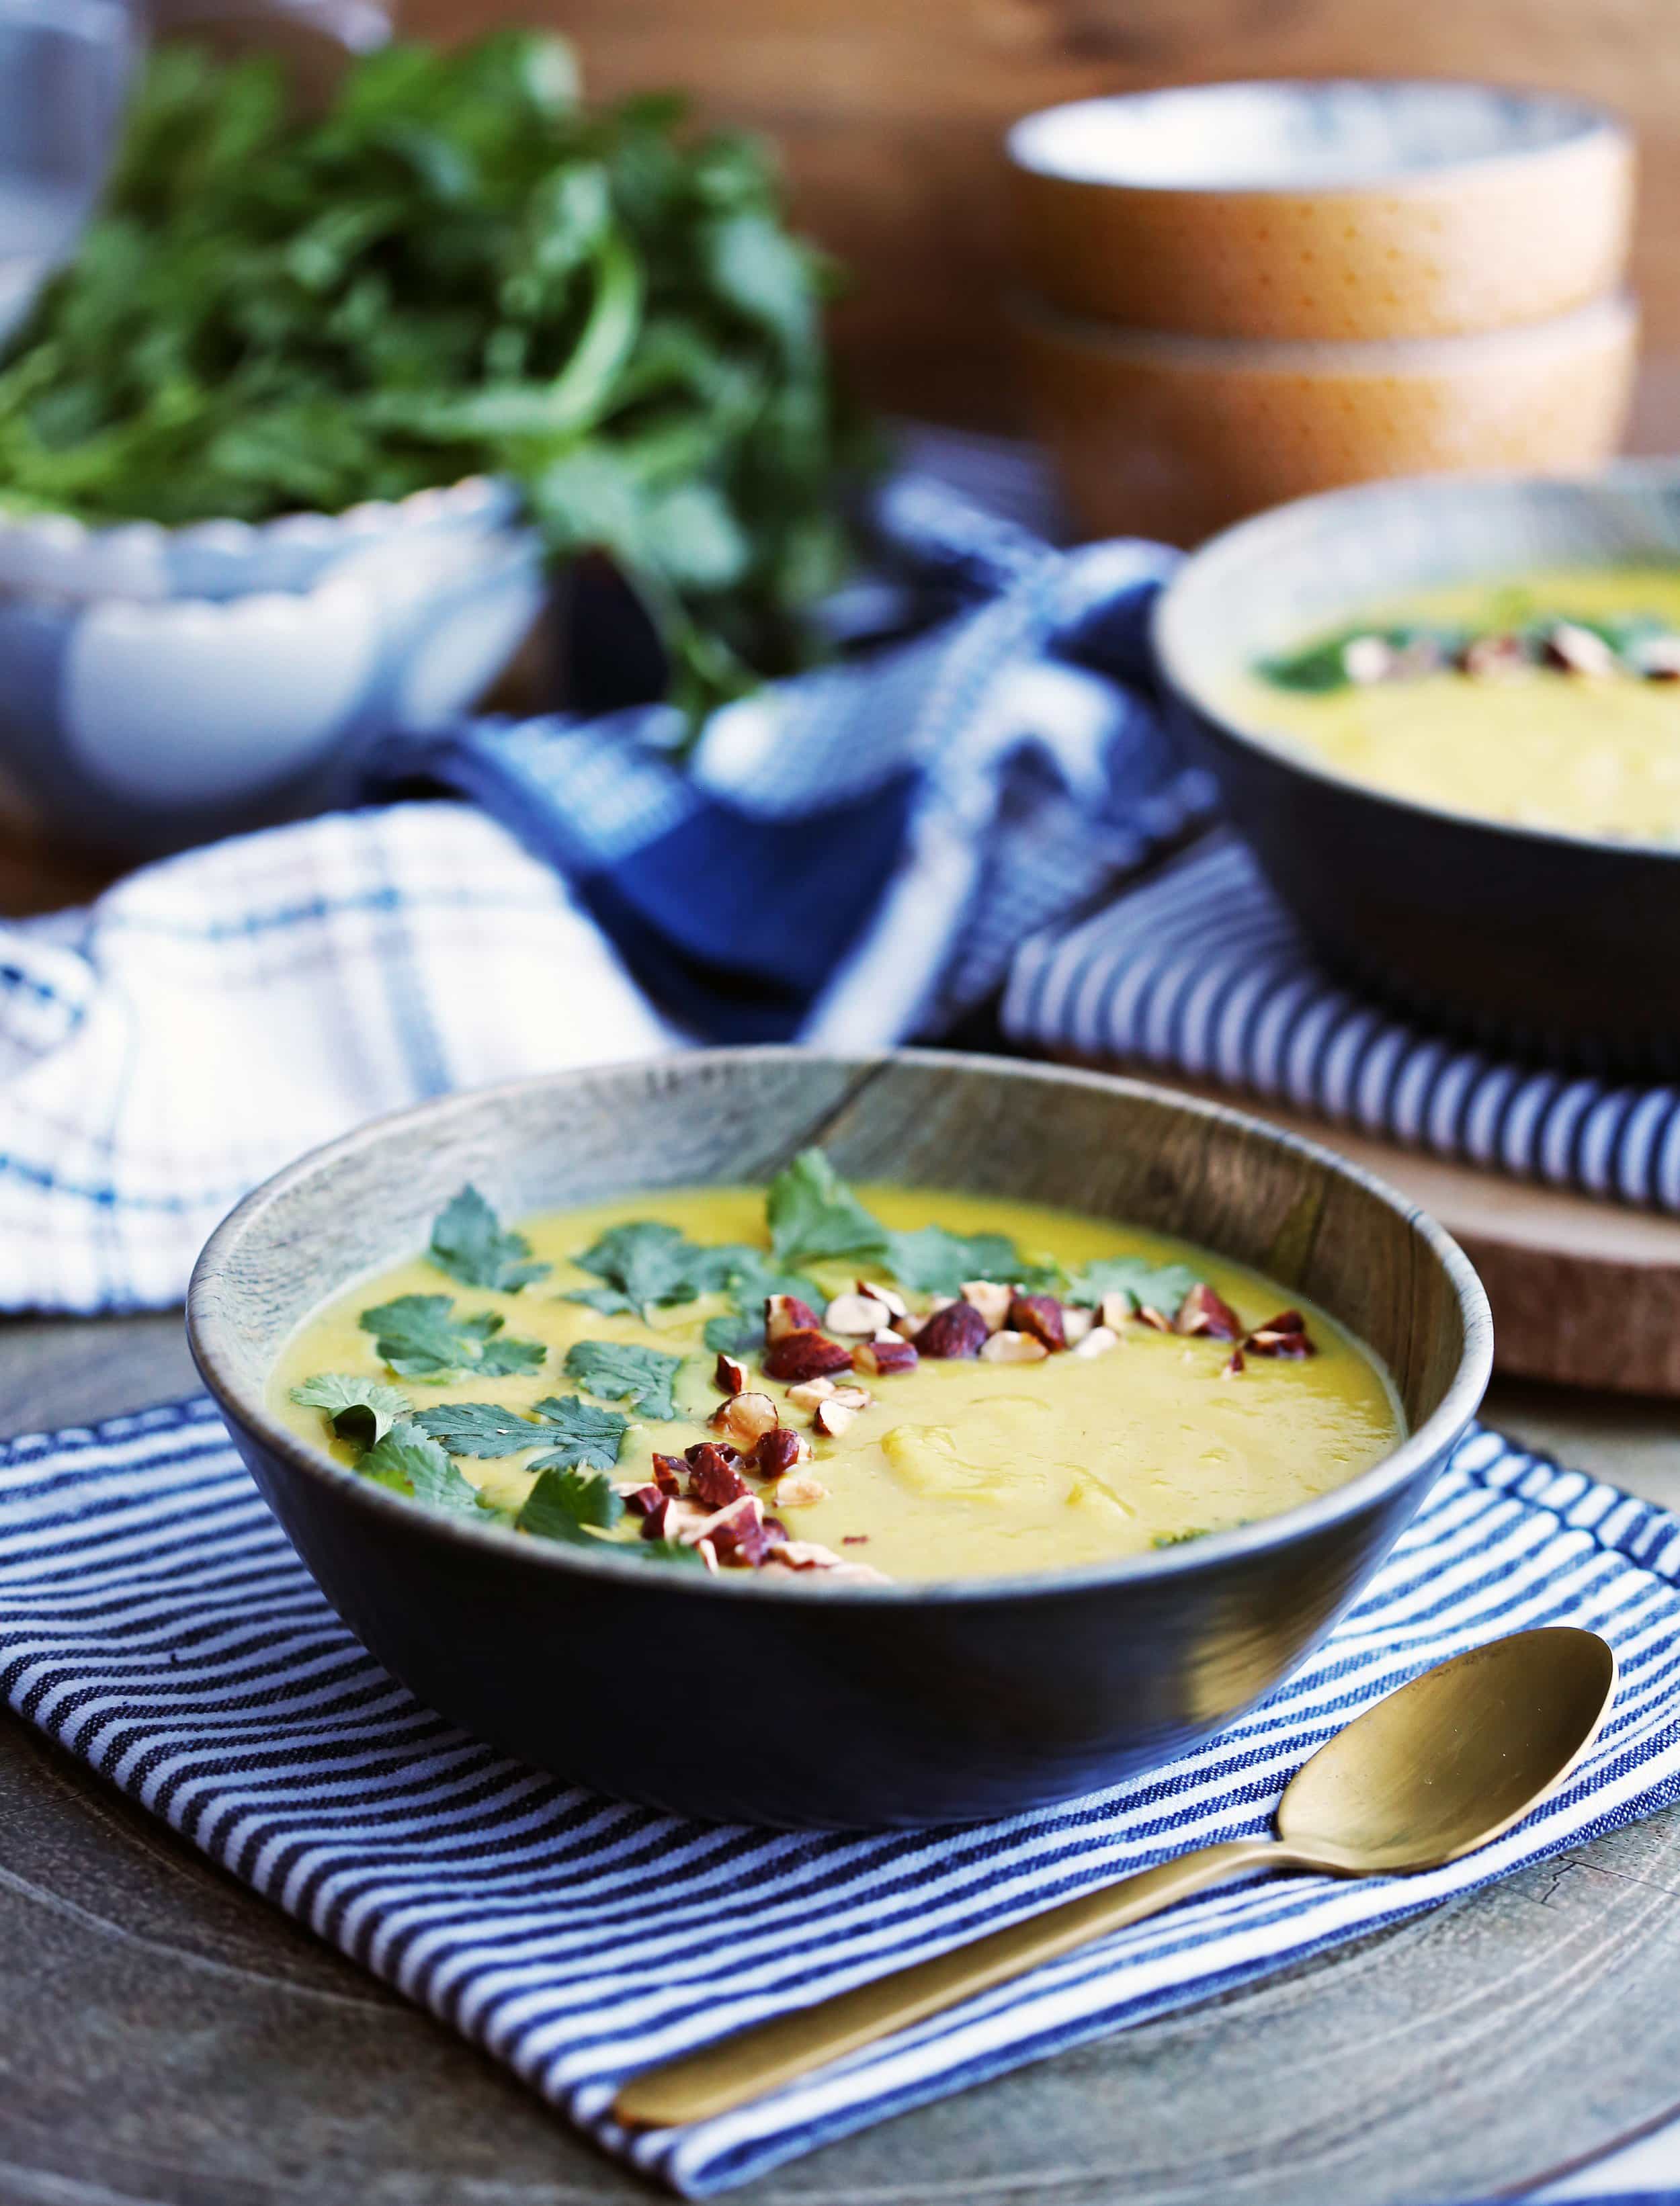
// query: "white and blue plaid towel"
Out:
[1202,971]
[851,858]
[154,1620]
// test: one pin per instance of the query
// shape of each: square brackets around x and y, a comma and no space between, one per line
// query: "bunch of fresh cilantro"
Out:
[456,270]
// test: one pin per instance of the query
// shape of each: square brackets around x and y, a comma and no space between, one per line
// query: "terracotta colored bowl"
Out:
[1334,210]
[1177,437]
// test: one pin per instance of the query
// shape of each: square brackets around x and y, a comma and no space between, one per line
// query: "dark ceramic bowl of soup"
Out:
[1054,1609]
[1488,837]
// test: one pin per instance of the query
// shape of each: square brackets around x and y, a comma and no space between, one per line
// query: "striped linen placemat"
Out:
[1200,970]
[155,1621]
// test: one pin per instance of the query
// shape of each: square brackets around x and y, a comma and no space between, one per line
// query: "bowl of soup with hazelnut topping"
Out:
[1020,1428]
[1548,700]
[830,1383]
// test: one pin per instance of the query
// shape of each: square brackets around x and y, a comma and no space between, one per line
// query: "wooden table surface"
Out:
[167,2037]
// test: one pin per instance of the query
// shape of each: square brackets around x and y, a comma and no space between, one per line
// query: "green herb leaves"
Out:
[414,1464]
[456,271]
[1160,1286]
[644,1264]
[643,1377]
[813,1215]
[570,1433]
[421,1337]
[571,1505]
[468,1242]
[361,1410]
[931,1261]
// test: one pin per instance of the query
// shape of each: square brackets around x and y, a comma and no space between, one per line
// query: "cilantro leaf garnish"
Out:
[643,1263]
[480,1428]
[732,1335]
[572,1505]
[468,1242]
[569,1431]
[408,1461]
[643,1377]
[812,1213]
[421,1337]
[1161,1286]
[361,1410]
[577,1432]
[932,1261]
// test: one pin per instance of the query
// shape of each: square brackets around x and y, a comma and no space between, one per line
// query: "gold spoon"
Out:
[1432,1772]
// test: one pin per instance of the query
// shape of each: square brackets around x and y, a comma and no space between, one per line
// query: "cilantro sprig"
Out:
[815,1216]
[359,1410]
[470,1243]
[571,1433]
[456,270]
[410,1462]
[1159,1286]
[420,1337]
[618,1372]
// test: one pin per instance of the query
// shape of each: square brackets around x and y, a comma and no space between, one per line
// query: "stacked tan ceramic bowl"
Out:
[1241,293]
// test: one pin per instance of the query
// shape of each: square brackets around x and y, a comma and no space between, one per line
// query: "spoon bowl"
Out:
[1453,1759]
[1435,1769]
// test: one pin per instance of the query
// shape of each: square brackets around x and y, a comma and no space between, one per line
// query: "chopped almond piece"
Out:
[1207,1314]
[707,1553]
[745,1509]
[1098,1341]
[744,1418]
[1010,1347]
[786,1314]
[895,1304]
[1113,1311]
[798,1490]
[831,1420]
[1580,650]
[672,1518]
[881,1359]
[807,1555]
[806,1354]
[856,1313]
[642,1500]
[1040,1315]
[853,1398]
[730,1375]
[991,1301]
[809,1393]
[712,1476]
[958,1330]
[1284,1335]
[669,1473]
[1076,1323]
[1232,1365]
[779,1451]
[1147,1314]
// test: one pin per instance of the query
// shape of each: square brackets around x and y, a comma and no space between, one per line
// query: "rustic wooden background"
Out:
[889,113]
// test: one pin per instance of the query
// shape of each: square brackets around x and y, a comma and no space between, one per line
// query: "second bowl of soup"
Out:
[1446,715]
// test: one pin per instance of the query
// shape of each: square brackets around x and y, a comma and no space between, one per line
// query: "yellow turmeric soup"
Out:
[699,1376]
[1550,699]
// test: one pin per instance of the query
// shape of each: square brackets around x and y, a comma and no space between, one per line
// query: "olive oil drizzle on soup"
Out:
[555,1416]
[1489,717]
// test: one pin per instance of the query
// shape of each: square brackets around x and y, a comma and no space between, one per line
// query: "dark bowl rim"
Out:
[209,1328]
[1591,119]
[1175,662]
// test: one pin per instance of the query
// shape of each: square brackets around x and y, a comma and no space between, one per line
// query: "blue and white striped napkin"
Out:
[154,1620]
[1202,971]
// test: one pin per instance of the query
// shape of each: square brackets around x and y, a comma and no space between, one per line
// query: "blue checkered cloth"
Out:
[851,858]
[154,1620]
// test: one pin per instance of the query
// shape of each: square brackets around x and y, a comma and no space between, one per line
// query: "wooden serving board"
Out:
[1584,1293]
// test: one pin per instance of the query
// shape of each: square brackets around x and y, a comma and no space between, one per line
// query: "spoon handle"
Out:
[745,2067]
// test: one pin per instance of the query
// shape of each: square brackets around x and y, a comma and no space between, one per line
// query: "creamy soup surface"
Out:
[960,1465]
[1592,747]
